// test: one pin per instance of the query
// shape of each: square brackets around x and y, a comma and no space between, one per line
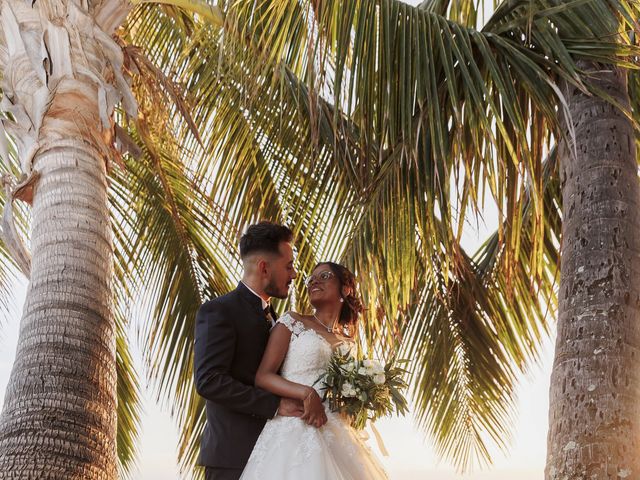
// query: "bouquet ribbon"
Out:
[365,436]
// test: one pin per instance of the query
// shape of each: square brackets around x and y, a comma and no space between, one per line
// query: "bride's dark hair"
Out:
[352,305]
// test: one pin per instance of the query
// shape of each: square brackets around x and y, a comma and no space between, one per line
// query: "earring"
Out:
[341,300]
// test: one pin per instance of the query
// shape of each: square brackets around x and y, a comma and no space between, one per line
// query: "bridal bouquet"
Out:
[363,389]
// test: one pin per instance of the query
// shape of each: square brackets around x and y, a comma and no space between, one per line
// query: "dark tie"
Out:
[267,313]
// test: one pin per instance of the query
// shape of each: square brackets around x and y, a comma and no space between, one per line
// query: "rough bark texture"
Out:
[59,416]
[60,75]
[594,418]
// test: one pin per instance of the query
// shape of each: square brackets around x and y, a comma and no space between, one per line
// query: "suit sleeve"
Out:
[214,347]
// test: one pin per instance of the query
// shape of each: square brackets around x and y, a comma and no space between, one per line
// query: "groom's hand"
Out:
[290,408]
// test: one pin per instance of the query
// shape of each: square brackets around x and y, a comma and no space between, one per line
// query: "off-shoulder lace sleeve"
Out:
[295,326]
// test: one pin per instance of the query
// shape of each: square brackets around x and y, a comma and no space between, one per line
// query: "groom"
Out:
[230,338]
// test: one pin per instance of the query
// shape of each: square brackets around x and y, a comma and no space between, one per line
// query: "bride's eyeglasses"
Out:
[322,277]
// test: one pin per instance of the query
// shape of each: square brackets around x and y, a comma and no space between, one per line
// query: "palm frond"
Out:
[181,249]
[372,128]
[128,390]
[469,342]
[252,186]
[7,265]
[126,289]
[8,268]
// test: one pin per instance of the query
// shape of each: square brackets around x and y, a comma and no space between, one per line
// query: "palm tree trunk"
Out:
[594,417]
[59,416]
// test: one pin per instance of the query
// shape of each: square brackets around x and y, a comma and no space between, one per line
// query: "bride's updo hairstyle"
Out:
[352,305]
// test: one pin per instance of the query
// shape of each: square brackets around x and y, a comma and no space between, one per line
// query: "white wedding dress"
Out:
[288,448]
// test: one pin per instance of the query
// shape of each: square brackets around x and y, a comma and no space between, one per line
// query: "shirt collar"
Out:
[265,304]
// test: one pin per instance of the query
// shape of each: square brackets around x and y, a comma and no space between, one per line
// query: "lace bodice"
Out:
[309,353]
[308,356]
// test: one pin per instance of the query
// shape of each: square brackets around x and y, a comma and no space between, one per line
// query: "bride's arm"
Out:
[268,379]
[267,376]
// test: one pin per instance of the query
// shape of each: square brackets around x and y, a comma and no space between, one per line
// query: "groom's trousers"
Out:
[222,473]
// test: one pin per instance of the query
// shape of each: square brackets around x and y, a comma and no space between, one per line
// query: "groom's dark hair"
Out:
[264,237]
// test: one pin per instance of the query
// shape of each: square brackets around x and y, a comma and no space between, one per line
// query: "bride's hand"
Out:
[314,413]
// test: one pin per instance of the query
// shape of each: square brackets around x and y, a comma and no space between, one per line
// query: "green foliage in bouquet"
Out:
[364,389]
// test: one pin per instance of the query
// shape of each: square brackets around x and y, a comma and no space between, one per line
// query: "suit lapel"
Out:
[251,298]
[256,305]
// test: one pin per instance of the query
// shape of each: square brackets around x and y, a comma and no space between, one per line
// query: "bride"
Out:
[299,348]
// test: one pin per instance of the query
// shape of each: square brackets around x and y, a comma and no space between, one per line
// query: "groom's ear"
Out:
[262,265]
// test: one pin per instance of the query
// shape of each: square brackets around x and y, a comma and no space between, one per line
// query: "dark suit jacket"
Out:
[230,338]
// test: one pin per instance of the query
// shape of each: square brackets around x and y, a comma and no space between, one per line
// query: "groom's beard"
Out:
[272,290]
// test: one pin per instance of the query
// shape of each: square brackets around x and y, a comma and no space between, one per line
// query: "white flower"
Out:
[350,367]
[348,390]
[363,371]
[379,379]
[373,367]
[344,349]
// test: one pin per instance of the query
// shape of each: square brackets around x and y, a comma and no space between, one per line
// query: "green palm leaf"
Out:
[125,291]
[462,391]
[128,391]
[372,128]
[8,266]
